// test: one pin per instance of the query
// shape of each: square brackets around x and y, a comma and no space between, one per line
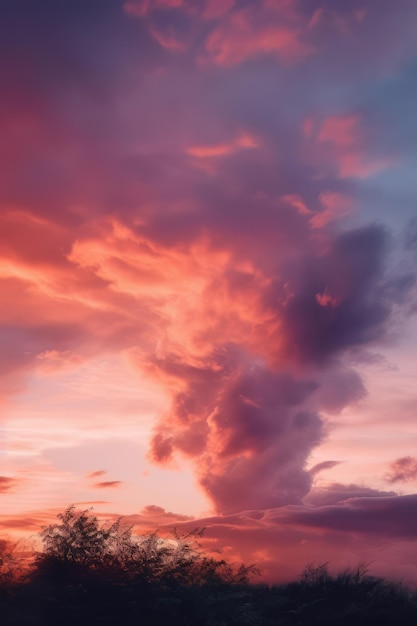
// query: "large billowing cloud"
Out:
[250,417]
[248,427]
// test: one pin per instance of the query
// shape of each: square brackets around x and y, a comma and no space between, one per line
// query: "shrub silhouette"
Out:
[79,542]
[79,545]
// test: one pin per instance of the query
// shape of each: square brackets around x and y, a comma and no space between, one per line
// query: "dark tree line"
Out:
[99,573]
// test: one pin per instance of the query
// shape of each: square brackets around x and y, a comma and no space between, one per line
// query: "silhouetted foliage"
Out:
[79,545]
[91,573]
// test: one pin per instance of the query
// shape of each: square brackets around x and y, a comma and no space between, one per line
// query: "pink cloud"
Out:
[326,299]
[153,517]
[341,131]
[244,36]
[345,529]
[402,470]
[334,206]
[297,202]
[342,143]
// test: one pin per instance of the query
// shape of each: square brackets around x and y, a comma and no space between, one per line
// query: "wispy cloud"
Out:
[108,484]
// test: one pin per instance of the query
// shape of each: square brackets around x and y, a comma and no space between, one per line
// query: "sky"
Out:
[208,252]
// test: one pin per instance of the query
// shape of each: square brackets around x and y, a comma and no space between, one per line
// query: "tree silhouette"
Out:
[79,544]
[78,538]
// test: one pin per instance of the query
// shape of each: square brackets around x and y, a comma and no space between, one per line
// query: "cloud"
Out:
[153,517]
[212,151]
[390,516]
[349,272]
[96,474]
[335,206]
[108,484]
[335,493]
[241,410]
[402,470]
[324,465]
[342,524]
[27,524]
[357,524]
[242,415]
[246,34]
[6,483]
[247,428]
[343,144]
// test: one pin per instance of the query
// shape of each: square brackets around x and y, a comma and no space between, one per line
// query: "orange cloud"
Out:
[108,484]
[203,152]
[244,141]
[173,284]
[326,299]
[6,483]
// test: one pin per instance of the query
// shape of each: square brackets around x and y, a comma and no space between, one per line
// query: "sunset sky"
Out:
[208,259]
